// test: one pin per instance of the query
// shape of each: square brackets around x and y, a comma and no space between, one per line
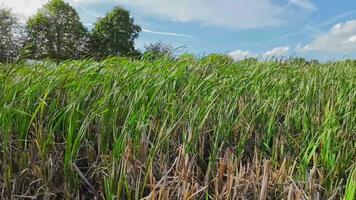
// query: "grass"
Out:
[184,129]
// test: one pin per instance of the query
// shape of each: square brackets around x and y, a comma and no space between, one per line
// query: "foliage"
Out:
[217,59]
[55,32]
[248,61]
[163,129]
[115,34]
[11,35]
[158,50]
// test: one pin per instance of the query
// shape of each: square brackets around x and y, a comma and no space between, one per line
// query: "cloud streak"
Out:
[165,33]
[304,4]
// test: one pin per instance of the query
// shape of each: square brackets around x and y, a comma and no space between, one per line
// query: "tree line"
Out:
[55,32]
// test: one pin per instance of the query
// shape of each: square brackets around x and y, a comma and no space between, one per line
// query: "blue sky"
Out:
[314,29]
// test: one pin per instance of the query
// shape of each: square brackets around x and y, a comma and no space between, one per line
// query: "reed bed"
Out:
[178,129]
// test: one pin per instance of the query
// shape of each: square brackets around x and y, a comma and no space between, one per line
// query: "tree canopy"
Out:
[10,35]
[158,50]
[56,32]
[114,34]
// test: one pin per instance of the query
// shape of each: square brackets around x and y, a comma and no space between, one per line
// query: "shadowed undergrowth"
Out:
[184,129]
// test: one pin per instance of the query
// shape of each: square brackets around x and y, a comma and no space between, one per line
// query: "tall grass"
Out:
[184,129]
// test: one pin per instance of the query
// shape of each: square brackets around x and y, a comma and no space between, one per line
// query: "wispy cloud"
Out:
[276,52]
[316,28]
[285,36]
[165,33]
[337,18]
[340,39]
[304,4]
[235,14]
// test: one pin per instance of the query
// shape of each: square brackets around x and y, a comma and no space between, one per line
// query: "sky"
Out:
[313,29]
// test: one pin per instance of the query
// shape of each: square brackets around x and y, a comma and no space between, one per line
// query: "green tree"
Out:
[10,35]
[158,50]
[114,34]
[56,32]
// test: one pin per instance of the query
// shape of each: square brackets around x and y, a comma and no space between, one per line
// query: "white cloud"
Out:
[237,14]
[165,33]
[277,52]
[352,39]
[24,8]
[305,4]
[239,54]
[340,39]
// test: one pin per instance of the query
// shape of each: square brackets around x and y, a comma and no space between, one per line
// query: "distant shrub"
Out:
[217,60]
[158,50]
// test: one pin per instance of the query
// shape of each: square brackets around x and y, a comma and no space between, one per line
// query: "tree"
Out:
[56,32]
[114,34]
[158,50]
[10,36]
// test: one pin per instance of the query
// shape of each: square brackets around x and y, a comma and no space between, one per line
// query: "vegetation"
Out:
[165,126]
[184,129]
[10,36]
[158,50]
[115,34]
[55,32]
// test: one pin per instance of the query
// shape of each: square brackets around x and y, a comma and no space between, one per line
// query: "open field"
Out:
[185,129]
